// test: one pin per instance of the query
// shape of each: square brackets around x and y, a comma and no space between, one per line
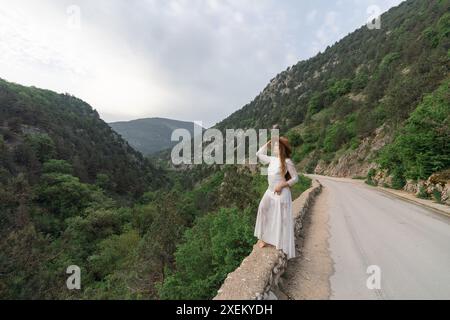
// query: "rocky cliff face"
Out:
[358,162]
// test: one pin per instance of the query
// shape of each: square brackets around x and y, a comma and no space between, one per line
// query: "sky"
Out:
[191,60]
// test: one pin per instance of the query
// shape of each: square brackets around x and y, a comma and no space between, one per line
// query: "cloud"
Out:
[183,59]
[311,17]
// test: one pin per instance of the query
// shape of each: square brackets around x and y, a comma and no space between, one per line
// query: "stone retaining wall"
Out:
[259,275]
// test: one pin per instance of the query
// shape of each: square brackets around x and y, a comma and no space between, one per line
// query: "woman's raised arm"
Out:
[262,154]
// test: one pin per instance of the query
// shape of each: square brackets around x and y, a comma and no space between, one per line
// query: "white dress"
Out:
[275,221]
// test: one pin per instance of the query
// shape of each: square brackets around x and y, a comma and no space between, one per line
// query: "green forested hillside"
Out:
[370,79]
[39,125]
[65,178]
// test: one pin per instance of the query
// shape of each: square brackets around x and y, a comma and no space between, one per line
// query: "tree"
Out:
[422,147]
[295,138]
[42,146]
[63,194]
[57,166]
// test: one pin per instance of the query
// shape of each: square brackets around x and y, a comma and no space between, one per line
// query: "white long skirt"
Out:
[275,221]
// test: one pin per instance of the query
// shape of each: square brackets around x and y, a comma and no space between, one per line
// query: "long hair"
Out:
[285,152]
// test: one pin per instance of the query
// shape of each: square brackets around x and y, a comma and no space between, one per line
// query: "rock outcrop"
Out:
[358,162]
[436,187]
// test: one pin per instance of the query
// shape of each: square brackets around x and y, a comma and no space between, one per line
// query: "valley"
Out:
[373,107]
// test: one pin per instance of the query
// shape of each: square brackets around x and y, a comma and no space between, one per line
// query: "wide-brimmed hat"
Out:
[285,142]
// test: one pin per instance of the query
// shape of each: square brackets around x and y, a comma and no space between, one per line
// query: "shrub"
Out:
[337,135]
[437,196]
[295,138]
[398,178]
[312,164]
[370,175]
[422,194]
[214,247]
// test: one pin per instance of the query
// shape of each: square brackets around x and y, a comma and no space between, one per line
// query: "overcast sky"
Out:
[195,60]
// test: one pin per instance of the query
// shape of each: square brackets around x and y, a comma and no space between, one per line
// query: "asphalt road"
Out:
[408,244]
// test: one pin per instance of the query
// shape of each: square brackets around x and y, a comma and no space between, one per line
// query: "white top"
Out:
[274,170]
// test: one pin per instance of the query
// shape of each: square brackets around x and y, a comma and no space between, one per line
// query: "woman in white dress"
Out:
[275,221]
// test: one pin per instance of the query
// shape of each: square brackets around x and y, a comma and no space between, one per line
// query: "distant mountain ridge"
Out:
[151,135]
[38,125]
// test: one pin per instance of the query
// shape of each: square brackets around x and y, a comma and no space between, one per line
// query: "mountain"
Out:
[343,106]
[39,125]
[150,136]
[376,99]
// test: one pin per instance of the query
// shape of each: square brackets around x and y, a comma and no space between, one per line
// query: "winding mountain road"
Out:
[353,226]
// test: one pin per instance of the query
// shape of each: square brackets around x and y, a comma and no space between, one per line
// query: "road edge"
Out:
[398,195]
[408,197]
